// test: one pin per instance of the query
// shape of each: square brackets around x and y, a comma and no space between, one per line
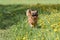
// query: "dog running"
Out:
[32,17]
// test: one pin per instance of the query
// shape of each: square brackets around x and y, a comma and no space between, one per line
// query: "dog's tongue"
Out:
[34,16]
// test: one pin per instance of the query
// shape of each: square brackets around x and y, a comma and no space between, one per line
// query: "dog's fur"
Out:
[32,17]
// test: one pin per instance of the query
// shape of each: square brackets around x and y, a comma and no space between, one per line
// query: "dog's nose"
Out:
[35,16]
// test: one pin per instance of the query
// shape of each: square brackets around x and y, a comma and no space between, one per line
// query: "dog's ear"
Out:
[28,12]
[36,11]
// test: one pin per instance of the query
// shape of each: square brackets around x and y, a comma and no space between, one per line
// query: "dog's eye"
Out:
[34,15]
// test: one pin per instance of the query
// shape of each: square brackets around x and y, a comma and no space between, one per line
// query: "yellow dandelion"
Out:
[42,38]
[55,29]
[24,38]
[58,29]
[59,23]
[53,25]
[48,21]
[57,39]
[17,38]
[34,38]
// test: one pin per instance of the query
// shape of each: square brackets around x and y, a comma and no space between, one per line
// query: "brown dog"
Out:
[32,17]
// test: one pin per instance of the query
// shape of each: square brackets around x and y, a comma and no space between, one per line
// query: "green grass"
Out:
[49,22]
[29,1]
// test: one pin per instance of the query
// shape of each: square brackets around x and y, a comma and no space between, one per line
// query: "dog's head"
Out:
[33,13]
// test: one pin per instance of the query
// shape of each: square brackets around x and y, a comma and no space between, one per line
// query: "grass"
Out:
[29,2]
[49,22]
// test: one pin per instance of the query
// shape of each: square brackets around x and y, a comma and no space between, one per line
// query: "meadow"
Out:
[14,25]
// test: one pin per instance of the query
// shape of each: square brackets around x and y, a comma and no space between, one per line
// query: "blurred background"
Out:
[29,1]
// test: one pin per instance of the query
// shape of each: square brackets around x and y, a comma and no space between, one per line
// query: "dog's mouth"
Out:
[34,15]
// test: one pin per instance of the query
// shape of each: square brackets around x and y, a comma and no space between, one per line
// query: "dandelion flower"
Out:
[34,38]
[42,38]
[24,38]
[53,25]
[55,29]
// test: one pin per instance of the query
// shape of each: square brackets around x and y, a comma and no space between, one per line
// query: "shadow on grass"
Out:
[38,26]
